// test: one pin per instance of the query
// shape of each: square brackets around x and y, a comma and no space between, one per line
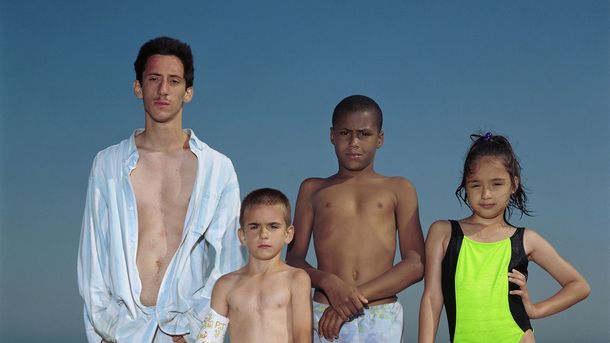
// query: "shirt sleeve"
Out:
[222,237]
[101,310]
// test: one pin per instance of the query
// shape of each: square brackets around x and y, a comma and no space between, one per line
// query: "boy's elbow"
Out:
[420,271]
[585,290]
[417,270]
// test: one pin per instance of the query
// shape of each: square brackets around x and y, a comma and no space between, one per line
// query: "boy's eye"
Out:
[343,133]
[274,227]
[175,81]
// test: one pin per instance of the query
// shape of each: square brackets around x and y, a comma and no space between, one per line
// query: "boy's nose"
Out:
[163,87]
[263,234]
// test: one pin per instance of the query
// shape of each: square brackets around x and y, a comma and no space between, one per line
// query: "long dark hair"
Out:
[498,146]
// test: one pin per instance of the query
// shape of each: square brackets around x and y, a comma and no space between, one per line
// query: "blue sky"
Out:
[268,75]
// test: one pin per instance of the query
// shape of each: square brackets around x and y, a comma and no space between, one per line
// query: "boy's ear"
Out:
[241,235]
[380,139]
[332,136]
[137,89]
[289,234]
[188,95]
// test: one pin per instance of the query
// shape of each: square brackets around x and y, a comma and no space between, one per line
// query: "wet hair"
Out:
[265,196]
[495,146]
[357,103]
[169,47]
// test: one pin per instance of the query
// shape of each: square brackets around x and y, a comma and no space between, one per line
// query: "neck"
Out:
[350,174]
[256,266]
[162,137]
[487,222]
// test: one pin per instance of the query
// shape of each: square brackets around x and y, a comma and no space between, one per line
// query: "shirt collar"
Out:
[130,162]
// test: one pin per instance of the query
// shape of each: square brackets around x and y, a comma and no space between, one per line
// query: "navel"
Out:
[355,275]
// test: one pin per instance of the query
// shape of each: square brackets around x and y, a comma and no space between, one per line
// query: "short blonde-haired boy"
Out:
[267,300]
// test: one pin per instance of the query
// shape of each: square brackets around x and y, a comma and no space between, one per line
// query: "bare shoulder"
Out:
[228,281]
[312,184]
[532,240]
[299,279]
[401,185]
[299,276]
[440,230]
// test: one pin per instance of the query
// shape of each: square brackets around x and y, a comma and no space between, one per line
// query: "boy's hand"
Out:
[347,300]
[179,339]
[330,324]
[519,279]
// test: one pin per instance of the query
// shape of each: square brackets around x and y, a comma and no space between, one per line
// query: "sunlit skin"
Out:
[354,217]
[165,172]
[488,190]
[267,300]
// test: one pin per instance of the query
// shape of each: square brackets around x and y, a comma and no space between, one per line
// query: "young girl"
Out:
[477,266]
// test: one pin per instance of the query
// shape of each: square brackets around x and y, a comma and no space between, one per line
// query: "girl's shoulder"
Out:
[439,231]
[531,240]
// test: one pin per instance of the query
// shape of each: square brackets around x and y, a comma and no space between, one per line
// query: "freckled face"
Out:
[265,231]
[489,187]
[163,88]
[356,138]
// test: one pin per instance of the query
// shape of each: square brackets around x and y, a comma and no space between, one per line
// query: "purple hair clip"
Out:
[488,136]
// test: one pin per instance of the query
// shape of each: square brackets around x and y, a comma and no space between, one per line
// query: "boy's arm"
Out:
[574,287]
[432,299]
[301,307]
[347,300]
[103,312]
[216,321]
[411,242]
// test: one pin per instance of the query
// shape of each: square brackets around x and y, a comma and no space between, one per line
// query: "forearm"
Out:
[429,316]
[568,295]
[396,279]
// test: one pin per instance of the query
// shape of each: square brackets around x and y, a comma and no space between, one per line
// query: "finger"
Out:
[354,307]
[343,312]
[362,298]
[517,281]
[516,273]
[321,323]
[519,293]
[335,327]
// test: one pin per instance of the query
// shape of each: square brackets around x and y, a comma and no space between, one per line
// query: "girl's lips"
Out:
[263,246]
[487,205]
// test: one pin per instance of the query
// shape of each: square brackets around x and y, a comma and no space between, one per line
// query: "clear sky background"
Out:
[268,74]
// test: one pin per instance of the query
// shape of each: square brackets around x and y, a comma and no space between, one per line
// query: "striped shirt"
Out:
[107,274]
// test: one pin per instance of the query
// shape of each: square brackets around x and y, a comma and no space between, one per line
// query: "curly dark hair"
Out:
[169,47]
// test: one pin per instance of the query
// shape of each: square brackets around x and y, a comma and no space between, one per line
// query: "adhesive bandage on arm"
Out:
[213,329]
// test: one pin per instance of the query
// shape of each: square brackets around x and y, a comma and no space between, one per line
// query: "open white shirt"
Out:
[108,278]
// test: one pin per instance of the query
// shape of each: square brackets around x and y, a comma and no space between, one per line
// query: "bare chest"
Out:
[162,185]
[260,297]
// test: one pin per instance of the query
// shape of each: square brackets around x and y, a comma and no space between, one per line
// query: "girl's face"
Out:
[489,187]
